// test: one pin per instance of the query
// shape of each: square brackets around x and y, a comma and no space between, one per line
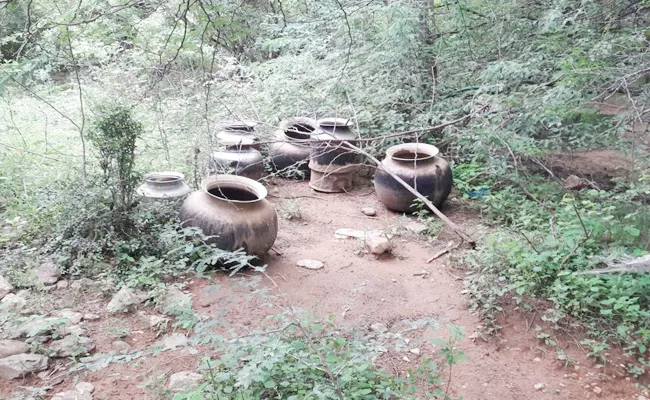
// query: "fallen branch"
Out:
[450,247]
[641,264]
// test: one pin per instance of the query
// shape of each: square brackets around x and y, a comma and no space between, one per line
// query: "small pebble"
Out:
[415,351]
[91,317]
[310,264]
[539,386]
[369,211]
[597,390]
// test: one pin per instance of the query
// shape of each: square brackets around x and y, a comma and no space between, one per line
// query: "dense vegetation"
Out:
[532,74]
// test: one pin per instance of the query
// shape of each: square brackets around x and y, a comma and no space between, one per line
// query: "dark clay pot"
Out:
[332,164]
[292,148]
[235,211]
[163,186]
[419,166]
[238,156]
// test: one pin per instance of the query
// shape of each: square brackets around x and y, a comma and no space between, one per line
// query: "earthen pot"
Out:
[332,164]
[163,185]
[292,148]
[238,156]
[240,129]
[234,212]
[418,165]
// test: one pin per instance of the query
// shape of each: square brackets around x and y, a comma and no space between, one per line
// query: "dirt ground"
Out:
[356,290]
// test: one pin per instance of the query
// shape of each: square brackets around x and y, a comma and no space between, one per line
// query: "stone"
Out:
[5,287]
[72,395]
[47,274]
[72,316]
[369,211]
[173,341]
[85,387]
[12,347]
[120,346]
[60,285]
[72,346]
[91,317]
[156,321]
[75,330]
[40,325]
[573,182]
[184,381]
[379,327]
[597,390]
[175,299]
[416,227]
[123,301]
[21,365]
[415,351]
[539,386]
[75,285]
[377,243]
[13,302]
[310,264]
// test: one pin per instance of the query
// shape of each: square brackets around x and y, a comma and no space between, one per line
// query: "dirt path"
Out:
[357,290]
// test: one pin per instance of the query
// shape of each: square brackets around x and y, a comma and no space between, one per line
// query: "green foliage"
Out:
[309,359]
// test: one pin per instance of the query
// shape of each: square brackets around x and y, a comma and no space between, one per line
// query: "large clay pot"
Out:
[332,164]
[234,210]
[237,156]
[163,185]
[237,130]
[418,165]
[292,148]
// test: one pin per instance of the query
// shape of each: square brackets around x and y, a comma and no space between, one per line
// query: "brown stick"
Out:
[417,194]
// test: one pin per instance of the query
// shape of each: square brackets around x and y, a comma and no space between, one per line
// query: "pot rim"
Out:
[239,124]
[173,176]
[234,182]
[430,151]
[334,121]
[231,138]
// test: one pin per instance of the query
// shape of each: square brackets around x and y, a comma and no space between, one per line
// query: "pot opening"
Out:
[412,152]
[410,155]
[299,131]
[161,177]
[233,194]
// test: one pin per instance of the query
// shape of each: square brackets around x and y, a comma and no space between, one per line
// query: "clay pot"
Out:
[163,185]
[233,210]
[234,130]
[238,156]
[332,164]
[419,166]
[292,148]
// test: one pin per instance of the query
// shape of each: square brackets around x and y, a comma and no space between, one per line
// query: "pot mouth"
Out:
[164,177]
[412,152]
[233,188]
[239,126]
[231,138]
[333,122]
[300,130]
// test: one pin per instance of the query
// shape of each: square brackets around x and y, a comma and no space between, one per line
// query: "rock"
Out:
[310,264]
[539,386]
[377,242]
[415,351]
[597,390]
[5,287]
[573,182]
[83,283]
[641,398]
[120,346]
[537,359]
[369,211]
[91,317]
[40,325]
[72,316]
[416,227]
[379,327]
[72,395]
[184,381]
[406,359]
[60,285]
[21,365]
[173,341]
[75,330]
[85,387]
[47,274]
[75,285]
[13,302]
[156,321]
[12,347]
[175,299]
[72,346]
[123,301]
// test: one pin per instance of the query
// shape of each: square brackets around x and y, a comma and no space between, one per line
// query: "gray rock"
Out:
[120,346]
[60,285]
[40,325]
[539,386]
[85,387]
[123,301]
[75,330]
[47,274]
[72,316]
[310,264]
[415,351]
[21,365]
[72,395]
[173,341]
[5,287]
[72,346]
[369,211]
[379,327]
[12,347]
[13,302]
[175,299]
[156,321]
[377,243]
[416,227]
[184,381]
[91,317]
